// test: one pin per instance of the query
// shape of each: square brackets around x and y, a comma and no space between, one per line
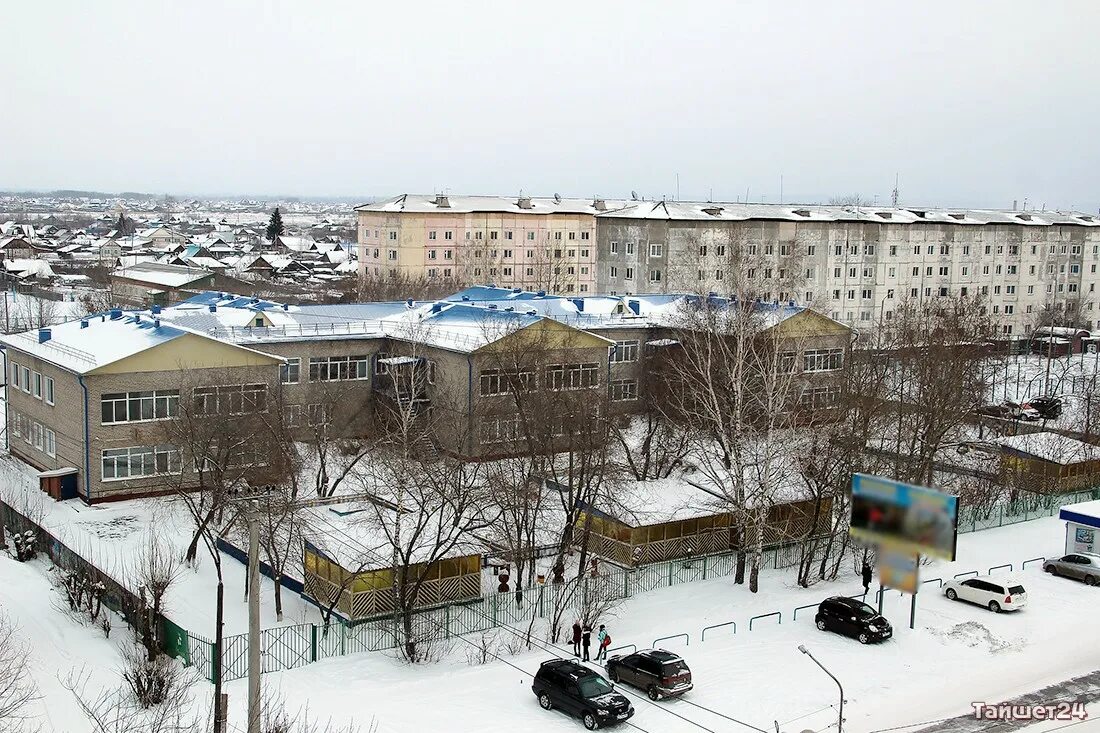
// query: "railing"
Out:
[703,635]
[933,580]
[794,616]
[687,639]
[1000,567]
[766,615]
[1023,565]
[968,574]
[633,648]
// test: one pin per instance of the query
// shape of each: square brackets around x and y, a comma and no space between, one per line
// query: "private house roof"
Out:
[158,273]
[1050,447]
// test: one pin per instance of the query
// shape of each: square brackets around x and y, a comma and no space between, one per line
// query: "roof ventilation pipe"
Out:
[437,307]
[116,313]
[83,322]
[524,202]
[213,308]
[408,302]
[286,306]
[44,335]
[155,309]
[634,306]
[579,302]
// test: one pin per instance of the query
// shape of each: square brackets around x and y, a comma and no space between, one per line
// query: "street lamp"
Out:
[840,721]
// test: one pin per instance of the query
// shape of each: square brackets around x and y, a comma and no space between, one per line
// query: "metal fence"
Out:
[1021,510]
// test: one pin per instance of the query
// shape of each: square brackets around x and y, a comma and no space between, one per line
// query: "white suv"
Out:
[997,594]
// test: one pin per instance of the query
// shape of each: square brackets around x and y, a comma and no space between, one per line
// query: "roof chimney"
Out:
[442,201]
[83,322]
[156,309]
[44,335]
[116,313]
[156,323]
[599,205]
[286,306]
[579,302]
[524,202]
[213,308]
[712,210]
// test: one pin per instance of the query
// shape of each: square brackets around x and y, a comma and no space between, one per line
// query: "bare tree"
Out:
[157,568]
[17,687]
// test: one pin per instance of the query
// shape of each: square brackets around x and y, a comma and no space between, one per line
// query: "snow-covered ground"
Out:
[956,654]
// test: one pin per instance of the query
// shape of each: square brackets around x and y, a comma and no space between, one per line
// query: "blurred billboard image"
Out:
[904,518]
[898,570]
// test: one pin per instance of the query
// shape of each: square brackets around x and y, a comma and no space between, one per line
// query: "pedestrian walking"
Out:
[586,641]
[576,638]
[605,642]
[866,573]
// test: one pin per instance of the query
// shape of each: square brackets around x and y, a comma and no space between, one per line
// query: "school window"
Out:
[822,360]
[292,415]
[231,399]
[818,397]
[624,390]
[625,351]
[338,368]
[499,429]
[290,371]
[572,376]
[500,382]
[139,461]
[123,407]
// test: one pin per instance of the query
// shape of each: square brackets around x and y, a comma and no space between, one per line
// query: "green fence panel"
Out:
[176,640]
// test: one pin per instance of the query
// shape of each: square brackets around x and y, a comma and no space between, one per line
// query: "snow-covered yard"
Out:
[956,654]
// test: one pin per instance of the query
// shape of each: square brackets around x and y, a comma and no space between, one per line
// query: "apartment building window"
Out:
[15,374]
[393,236]
[614,248]
[630,273]
[838,250]
[1075,269]
[769,249]
[572,376]
[431,234]
[996,309]
[507,271]
[868,249]
[479,236]
[702,250]
[121,407]
[49,390]
[448,254]
[624,390]
[916,249]
[584,236]
[1012,269]
[1031,290]
[965,270]
[721,248]
[822,360]
[836,272]
[851,272]
[571,253]
[811,272]
[1009,309]
[37,385]
[943,272]
[530,236]
[140,461]
[391,254]
[492,235]
[432,272]
[339,368]
[717,275]
[913,292]
[1010,289]
[966,250]
[448,235]
[625,351]
[26,385]
[893,250]
[630,248]
[784,250]
[572,236]
[852,294]
[289,372]
[507,254]
[928,292]
[431,254]
[614,271]
[557,236]
[893,272]
[866,293]
[916,272]
[500,382]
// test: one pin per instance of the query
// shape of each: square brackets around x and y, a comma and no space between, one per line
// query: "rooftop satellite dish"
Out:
[634,195]
[557,198]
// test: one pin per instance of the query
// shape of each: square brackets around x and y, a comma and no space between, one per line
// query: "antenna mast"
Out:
[894,193]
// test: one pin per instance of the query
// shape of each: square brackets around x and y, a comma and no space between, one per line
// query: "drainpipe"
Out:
[7,404]
[87,447]
[469,403]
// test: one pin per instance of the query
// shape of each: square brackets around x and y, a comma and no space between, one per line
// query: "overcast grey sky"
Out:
[972,103]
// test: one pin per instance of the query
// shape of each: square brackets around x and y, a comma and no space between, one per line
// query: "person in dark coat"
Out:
[866,573]
[586,641]
[576,638]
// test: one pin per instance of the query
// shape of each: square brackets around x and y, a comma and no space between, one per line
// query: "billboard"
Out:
[898,570]
[904,518]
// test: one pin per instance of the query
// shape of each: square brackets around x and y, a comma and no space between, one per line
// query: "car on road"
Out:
[1080,565]
[660,673]
[852,618]
[995,411]
[1050,408]
[995,593]
[573,688]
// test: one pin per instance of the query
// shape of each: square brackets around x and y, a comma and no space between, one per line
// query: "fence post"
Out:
[626,584]
[670,575]
[496,603]
[704,567]
[1000,516]
[343,639]
[313,642]
[447,621]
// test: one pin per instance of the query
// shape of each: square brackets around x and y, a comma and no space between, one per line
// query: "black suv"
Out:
[852,618]
[580,691]
[659,673]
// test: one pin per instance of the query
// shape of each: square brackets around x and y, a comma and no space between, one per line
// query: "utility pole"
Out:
[253,619]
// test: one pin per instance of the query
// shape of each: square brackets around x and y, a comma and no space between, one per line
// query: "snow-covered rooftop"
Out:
[424,203]
[171,276]
[1051,447]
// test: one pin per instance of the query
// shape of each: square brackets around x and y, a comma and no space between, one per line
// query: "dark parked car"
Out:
[1001,411]
[852,618]
[1050,408]
[659,673]
[580,691]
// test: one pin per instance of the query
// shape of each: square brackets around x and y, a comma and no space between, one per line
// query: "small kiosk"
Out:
[1082,526]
